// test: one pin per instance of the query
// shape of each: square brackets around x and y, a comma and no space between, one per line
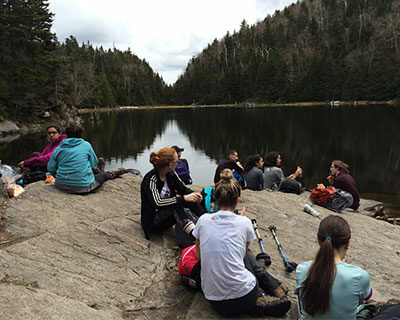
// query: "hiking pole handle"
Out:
[254,221]
[264,255]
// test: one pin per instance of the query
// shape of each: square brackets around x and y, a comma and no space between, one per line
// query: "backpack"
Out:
[339,201]
[238,177]
[321,196]
[208,198]
[183,171]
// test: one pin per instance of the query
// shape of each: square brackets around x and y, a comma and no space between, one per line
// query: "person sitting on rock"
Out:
[341,179]
[164,196]
[329,288]
[182,168]
[222,240]
[231,162]
[38,160]
[275,179]
[253,173]
[72,164]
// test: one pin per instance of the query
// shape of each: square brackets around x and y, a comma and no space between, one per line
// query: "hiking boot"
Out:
[276,308]
[117,172]
[281,291]
[101,164]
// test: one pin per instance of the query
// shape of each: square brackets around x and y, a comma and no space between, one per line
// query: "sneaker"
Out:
[101,164]
[117,172]
[276,308]
[189,282]
[188,226]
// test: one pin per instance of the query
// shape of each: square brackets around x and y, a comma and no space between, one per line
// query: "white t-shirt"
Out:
[223,237]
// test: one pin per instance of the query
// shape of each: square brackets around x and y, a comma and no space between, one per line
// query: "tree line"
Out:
[313,50]
[37,73]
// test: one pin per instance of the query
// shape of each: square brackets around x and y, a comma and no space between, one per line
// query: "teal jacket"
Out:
[72,162]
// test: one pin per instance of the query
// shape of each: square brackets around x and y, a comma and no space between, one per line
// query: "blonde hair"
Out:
[227,190]
[162,158]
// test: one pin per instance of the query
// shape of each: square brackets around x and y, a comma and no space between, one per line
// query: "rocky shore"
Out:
[85,257]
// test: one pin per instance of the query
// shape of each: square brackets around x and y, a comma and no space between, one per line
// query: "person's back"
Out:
[72,163]
[254,179]
[328,288]
[350,281]
[273,177]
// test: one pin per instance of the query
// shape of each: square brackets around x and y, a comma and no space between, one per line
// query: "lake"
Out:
[365,137]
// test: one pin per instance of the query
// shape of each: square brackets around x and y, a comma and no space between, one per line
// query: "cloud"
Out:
[167,34]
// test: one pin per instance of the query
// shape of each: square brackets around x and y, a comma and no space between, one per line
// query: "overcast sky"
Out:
[167,33]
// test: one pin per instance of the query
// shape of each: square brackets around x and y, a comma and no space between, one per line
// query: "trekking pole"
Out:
[289,266]
[263,255]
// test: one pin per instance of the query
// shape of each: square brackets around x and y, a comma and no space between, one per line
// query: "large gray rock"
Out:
[85,257]
[8,126]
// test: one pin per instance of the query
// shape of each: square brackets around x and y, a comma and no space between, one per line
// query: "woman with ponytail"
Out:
[329,288]
[164,196]
[222,240]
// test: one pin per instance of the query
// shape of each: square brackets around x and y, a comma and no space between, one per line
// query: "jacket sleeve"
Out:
[42,160]
[153,195]
[178,185]
[261,180]
[92,156]
[52,165]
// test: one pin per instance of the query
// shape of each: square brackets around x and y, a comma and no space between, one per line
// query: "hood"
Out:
[71,142]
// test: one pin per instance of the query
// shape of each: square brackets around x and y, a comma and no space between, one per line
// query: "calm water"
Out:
[365,137]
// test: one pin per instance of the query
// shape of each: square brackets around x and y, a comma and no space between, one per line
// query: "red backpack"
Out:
[321,196]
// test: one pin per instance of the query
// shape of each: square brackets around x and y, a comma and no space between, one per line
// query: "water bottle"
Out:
[311,210]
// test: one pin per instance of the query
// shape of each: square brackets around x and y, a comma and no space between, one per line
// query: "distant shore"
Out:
[241,105]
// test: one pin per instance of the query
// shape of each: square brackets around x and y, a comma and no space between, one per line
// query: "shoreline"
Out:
[242,105]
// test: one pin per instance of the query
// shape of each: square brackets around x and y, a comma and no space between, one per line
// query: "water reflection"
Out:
[365,137]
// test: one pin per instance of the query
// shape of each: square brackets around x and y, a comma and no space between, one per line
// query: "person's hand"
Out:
[299,172]
[243,211]
[23,168]
[330,179]
[193,197]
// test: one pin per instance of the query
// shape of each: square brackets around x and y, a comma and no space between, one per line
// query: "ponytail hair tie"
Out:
[328,238]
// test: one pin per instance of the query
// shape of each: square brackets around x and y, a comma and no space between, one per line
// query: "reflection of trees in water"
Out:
[124,134]
[364,137]
[20,149]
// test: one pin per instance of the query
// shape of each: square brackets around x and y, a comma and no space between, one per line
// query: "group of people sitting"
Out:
[220,262]
[70,160]
[259,175]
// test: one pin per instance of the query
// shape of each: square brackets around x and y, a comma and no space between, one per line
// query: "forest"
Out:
[313,50]
[38,73]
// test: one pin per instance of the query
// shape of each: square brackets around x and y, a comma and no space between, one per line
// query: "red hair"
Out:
[162,158]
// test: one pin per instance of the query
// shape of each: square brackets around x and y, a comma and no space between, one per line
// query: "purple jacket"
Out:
[44,157]
[345,182]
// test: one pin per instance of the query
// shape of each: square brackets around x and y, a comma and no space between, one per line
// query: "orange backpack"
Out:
[321,196]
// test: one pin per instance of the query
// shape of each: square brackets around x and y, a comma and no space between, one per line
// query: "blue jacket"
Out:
[72,162]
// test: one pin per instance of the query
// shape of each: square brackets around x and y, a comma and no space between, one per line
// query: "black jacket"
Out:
[152,202]
[226,164]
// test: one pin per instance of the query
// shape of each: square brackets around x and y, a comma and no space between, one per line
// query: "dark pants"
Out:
[165,219]
[102,177]
[238,306]
[290,186]
[266,283]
